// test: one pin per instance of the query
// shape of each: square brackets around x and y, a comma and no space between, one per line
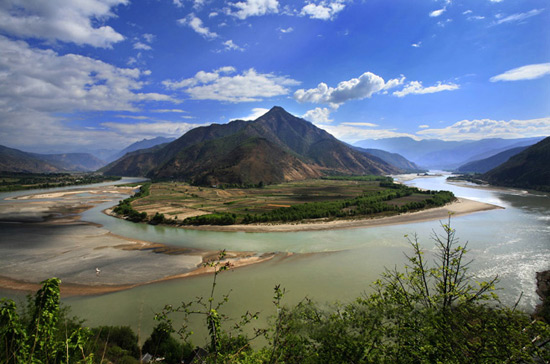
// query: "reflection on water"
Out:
[512,243]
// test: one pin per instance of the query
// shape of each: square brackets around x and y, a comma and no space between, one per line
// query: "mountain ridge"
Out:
[237,153]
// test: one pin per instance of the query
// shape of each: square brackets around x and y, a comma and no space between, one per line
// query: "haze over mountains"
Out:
[440,154]
[276,147]
[14,160]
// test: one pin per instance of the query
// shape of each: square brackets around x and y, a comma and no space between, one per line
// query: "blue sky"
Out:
[101,74]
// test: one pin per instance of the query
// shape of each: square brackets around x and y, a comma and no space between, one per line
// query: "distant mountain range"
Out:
[486,164]
[142,144]
[14,160]
[276,147]
[448,155]
[529,169]
[396,160]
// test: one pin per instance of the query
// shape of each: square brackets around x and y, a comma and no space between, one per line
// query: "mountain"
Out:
[529,169]
[14,160]
[486,164]
[276,147]
[142,144]
[440,154]
[395,159]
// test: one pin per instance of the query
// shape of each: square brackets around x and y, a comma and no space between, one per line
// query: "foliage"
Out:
[211,219]
[161,344]
[367,204]
[125,208]
[117,344]
[43,334]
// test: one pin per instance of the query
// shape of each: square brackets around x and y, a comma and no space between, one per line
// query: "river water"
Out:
[337,265]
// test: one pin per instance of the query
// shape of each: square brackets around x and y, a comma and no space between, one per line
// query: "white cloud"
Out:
[67,21]
[416,45]
[178,3]
[325,10]
[520,16]
[319,115]
[357,88]
[254,8]
[467,12]
[487,128]
[256,113]
[495,1]
[168,110]
[476,17]
[416,88]
[370,125]
[424,126]
[200,77]
[38,84]
[245,87]
[529,72]
[437,13]
[196,24]
[230,46]
[42,80]
[153,129]
[287,30]
[142,46]
[149,38]
[355,133]
[213,14]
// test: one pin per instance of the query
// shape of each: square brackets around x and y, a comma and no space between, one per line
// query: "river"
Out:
[336,265]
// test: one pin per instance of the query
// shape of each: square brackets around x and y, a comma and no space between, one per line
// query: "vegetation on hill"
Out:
[274,148]
[528,169]
[427,313]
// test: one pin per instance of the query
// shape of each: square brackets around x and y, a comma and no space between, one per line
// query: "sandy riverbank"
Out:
[42,236]
[460,207]
[71,289]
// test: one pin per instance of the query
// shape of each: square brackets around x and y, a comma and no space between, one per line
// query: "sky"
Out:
[86,75]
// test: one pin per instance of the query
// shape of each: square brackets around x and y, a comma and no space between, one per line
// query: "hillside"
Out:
[486,164]
[441,154]
[528,169]
[15,160]
[276,147]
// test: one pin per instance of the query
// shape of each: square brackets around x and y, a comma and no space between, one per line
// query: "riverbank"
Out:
[43,236]
[459,207]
